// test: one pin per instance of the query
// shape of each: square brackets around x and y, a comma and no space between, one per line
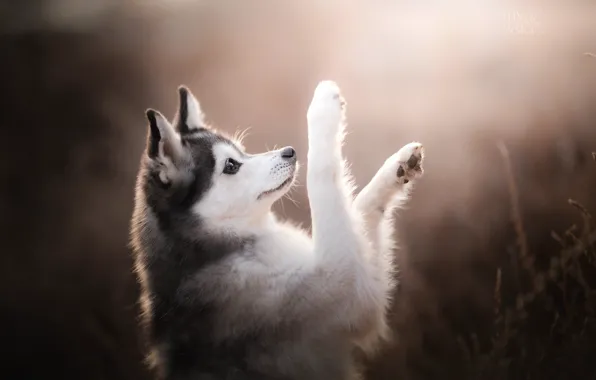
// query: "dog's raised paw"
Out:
[409,160]
[328,91]
[326,109]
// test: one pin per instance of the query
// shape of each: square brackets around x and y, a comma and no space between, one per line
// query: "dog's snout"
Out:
[288,153]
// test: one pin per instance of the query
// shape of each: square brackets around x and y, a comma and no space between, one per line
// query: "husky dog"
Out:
[230,292]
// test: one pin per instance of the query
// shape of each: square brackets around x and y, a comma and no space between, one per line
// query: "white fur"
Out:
[337,284]
[231,203]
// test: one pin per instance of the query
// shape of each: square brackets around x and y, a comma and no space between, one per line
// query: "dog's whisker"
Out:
[283,206]
[243,134]
[295,202]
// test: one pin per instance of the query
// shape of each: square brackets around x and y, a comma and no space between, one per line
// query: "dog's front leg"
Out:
[388,189]
[338,236]
[375,203]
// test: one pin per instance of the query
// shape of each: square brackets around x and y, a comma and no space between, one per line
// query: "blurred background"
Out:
[495,280]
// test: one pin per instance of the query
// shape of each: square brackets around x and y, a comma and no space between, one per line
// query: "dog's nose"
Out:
[288,152]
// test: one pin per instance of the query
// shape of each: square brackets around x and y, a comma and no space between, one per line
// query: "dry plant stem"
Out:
[588,236]
[510,327]
[580,247]
[514,195]
[588,221]
[497,294]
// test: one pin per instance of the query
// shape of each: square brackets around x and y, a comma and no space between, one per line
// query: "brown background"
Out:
[457,77]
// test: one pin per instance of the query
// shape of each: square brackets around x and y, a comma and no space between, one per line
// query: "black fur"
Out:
[183,110]
[169,248]
[154,135]
[182,124]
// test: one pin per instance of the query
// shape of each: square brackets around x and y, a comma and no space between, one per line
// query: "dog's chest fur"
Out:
[204,328]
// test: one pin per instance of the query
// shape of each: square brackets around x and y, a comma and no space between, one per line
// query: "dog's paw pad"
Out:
[409,159]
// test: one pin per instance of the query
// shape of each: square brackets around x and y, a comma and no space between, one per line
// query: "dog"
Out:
[228,291]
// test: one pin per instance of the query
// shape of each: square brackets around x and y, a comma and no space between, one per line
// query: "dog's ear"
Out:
[190,117]
[164,145]
[163,141]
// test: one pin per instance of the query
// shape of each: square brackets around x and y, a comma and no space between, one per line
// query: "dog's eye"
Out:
[231,166]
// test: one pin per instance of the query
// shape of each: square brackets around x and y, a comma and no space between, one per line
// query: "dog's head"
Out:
[191,168]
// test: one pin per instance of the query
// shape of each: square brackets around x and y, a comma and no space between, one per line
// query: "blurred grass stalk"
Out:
[563,293]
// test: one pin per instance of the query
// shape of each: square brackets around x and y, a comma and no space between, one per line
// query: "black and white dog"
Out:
[229,292]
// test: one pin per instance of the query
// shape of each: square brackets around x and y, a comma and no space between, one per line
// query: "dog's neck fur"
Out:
[249,225]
